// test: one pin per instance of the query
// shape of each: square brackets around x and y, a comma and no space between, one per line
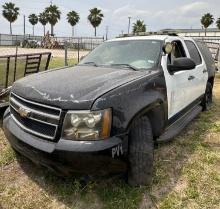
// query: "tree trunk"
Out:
[72,31]
[205,31]
[33,30]
[52,30]
[95,31]
[10,29]
[44,30]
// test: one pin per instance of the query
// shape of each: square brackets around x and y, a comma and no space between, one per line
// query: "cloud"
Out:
[130,10]
[194,9]
[187,11]
[186,15]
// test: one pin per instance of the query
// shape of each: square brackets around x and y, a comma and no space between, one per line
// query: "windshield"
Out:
[136,54]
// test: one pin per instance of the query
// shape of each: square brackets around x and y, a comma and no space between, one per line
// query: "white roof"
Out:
[153,37]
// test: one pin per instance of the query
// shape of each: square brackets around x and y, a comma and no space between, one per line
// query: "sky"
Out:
[156,15]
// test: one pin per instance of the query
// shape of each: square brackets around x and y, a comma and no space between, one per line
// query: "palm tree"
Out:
[73,19]
[53,16]
[95,17]
[218,23]
[33,19]
[139,26]
[43,19]
[206,20]
[10,12]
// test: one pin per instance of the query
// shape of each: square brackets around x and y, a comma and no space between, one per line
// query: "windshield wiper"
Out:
[89,63]
[125,65]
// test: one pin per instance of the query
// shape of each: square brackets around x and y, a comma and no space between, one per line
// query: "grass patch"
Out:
[119,195]
[55,62]
[7,156]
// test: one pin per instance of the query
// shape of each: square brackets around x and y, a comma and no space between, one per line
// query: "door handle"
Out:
[191,77]
[205,71]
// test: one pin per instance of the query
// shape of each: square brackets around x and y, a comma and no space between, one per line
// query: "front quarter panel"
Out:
[135,97]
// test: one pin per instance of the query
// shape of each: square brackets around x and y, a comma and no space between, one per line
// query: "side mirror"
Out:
[167,48]
[181,64]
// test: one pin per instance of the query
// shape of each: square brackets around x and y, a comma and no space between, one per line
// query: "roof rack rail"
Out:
[170,33]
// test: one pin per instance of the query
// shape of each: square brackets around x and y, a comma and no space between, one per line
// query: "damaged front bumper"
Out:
[66,156]
[4,95]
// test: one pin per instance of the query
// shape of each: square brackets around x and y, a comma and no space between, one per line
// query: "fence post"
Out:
[7,72]
[48,61]
[15,66]
[65,48]
[91,44]
[78,51]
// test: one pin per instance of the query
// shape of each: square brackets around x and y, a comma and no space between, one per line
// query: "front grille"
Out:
[37,119]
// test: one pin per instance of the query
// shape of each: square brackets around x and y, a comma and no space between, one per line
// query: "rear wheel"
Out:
[141,149]
[207,100]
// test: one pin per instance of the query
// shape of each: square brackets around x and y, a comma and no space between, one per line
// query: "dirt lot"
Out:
[187,175]
[55,52]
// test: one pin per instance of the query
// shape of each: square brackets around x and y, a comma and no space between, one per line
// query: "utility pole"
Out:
[129,24]
[122,33]
[106,34]
[24,26]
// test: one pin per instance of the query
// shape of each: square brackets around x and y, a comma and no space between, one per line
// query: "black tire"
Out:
[207,100]
[141,153]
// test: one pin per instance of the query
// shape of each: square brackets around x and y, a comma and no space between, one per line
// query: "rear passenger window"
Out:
[193,52]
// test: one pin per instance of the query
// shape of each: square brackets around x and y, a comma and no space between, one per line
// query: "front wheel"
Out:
[207,100]
[141,149]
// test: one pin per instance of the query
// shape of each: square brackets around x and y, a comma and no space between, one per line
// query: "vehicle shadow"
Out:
[2,110]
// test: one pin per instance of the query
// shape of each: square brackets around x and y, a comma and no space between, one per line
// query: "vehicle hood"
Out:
[73,88]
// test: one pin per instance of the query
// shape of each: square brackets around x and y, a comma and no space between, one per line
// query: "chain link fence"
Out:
[64,50]
[22,55]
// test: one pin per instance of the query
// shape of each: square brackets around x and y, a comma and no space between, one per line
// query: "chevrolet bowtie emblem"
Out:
[23,112]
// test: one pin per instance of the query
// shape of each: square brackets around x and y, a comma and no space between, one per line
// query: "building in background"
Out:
[210,32]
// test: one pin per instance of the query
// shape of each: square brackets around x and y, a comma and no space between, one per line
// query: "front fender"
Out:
[133,98]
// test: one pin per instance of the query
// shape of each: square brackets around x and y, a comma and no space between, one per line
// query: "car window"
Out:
[141,54]
[177,52]
[193,52]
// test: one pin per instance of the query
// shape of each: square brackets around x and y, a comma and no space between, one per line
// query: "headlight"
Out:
[87,125]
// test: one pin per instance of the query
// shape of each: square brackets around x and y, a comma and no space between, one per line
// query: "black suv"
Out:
[106,113]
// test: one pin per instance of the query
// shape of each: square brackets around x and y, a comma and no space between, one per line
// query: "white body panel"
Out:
[201,76]
[181,92]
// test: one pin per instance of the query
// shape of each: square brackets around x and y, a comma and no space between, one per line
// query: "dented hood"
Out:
[73,88]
